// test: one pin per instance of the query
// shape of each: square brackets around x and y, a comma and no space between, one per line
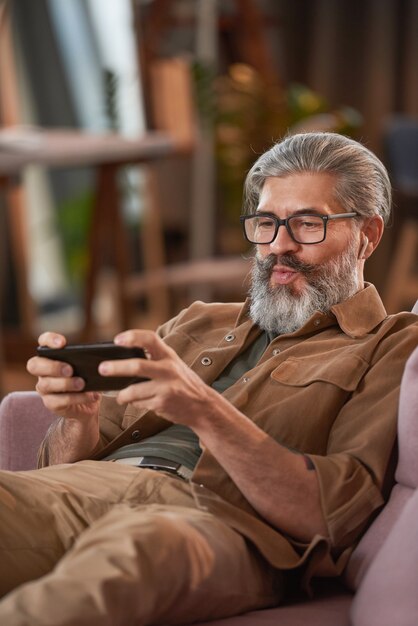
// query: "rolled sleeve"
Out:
[348,497]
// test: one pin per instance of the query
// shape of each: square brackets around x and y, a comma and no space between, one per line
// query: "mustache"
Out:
[287,260]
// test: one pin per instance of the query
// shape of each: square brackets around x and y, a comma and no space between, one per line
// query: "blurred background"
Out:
[126,131]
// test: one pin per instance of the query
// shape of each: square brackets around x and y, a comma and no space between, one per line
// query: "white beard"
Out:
[278,309]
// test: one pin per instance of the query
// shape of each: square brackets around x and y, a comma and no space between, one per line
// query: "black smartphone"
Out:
[85,359]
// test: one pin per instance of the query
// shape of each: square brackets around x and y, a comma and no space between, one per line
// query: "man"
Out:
[269,426]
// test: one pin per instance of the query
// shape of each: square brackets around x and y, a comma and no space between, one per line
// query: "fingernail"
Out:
[78,383]
[56,341]
[103,368]
[120,339]
[66,370]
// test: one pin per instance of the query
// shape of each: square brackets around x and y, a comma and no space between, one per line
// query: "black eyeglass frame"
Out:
[285,222]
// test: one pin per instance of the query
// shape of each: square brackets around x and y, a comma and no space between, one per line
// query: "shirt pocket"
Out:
[344,371]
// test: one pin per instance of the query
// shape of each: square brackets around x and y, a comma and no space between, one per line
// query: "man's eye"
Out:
[310,224]
[265,223]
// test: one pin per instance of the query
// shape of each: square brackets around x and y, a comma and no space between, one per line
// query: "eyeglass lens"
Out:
[304,228]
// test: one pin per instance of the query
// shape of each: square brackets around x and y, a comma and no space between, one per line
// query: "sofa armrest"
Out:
[24,421]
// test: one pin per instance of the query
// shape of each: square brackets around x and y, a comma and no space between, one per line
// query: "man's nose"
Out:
[283,242]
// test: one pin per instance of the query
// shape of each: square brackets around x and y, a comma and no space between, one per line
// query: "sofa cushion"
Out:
[374,538]
[388,594]
[332,610]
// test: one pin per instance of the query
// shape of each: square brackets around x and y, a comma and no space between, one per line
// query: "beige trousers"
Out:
[102,543]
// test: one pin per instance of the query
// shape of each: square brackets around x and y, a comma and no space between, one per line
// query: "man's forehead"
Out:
[310,192]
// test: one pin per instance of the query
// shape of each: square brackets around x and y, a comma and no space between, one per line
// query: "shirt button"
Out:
[206,361]
[317,322]
[230,337]
[245,379]
[276,351]
[135,435]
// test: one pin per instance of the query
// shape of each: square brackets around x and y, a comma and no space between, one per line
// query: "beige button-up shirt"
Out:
[329,390]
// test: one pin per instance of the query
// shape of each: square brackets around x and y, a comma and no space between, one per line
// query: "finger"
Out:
[61,402]
[47,385]
[52,340]
[146,339]
[143,392]
[137,367]
[40,366]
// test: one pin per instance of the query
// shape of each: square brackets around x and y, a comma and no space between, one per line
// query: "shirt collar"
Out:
[361,313]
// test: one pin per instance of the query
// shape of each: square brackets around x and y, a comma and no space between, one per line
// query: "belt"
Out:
[156,463]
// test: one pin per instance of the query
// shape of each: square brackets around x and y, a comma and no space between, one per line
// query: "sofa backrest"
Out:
[406,478]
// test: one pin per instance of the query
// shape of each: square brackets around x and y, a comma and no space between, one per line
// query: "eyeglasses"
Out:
[307,229]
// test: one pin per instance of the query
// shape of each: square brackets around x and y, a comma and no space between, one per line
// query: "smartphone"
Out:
[85,359]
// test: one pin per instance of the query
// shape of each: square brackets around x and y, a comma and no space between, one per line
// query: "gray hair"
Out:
[362,185]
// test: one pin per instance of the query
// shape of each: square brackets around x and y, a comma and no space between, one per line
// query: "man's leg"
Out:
[111,544]
[42,512]
[152,564]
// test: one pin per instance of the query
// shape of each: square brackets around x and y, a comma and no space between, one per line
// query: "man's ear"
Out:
[371,234]
[361,254]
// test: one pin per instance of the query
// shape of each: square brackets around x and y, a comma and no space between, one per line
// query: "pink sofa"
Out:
[381,581]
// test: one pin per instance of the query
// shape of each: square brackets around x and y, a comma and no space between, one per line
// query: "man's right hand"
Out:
[61,392]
